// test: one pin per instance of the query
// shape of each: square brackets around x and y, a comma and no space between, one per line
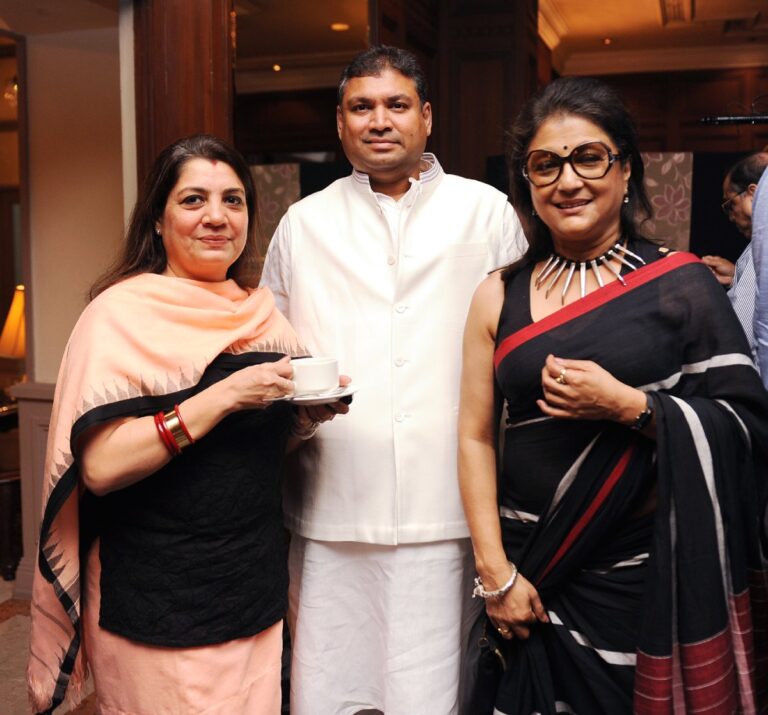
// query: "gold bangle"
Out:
[173,423]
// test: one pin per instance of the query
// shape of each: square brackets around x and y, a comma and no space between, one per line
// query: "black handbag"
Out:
[484,665]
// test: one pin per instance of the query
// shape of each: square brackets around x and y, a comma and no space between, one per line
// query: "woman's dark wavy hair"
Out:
[143,250]
[598,103]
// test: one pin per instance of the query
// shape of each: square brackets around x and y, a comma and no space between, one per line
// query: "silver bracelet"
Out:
[480,592]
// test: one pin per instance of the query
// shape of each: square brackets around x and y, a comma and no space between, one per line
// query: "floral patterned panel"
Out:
[277,187]
[668,178]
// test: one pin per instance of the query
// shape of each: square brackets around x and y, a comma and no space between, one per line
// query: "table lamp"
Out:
[13,342]
[12,339]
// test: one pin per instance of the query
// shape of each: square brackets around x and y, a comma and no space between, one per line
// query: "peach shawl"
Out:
[147,336]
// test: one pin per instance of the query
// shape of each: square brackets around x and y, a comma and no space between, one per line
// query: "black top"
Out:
[538,452]
[195,554]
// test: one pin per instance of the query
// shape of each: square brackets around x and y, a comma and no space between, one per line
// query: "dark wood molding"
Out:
[183,72]
[9,125]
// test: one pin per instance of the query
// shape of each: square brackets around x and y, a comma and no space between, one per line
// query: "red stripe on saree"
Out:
[743,648]
[594,300]
[653,685]
[710,676]
[602,494]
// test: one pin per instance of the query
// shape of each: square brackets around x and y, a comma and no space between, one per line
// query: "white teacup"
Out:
[312,375]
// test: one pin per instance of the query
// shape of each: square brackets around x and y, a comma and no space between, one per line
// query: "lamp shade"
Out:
[12,339]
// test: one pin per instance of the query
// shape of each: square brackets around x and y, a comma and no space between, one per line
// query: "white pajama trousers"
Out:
[378,627]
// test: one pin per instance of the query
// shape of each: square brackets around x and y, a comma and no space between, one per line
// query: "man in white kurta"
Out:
[378,270]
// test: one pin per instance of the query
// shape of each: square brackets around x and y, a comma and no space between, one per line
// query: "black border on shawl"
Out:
[134,407]
[58,496]
[148,404]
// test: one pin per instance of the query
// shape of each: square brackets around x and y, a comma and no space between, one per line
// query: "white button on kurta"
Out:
[386,472]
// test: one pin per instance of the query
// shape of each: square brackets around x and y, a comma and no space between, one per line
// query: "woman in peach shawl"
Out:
[162,560]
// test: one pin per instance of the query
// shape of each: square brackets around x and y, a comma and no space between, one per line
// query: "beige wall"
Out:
[75,182]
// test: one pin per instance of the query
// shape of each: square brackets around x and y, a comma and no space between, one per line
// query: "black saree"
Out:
[652,610]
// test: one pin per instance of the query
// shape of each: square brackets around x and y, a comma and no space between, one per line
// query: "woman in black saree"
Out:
[619,549]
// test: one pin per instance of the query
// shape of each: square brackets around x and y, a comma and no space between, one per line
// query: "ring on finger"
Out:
[560,379]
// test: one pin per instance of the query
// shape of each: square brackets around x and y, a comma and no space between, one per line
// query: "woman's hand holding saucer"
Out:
[257,386]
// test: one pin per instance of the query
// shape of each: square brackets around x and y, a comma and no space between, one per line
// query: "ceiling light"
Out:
[607,41]
[339,26]
[276,67]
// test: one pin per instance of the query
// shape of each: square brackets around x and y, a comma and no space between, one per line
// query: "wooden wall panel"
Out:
[668,107]
[488,48]
[760,137]
[760,90]
[700,93]
[421,38]
[184,81]
[421,25]
[544,71]
[649,105]
[283,122]
[387,22]
[482,108]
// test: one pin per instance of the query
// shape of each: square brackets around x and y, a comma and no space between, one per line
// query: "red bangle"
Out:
[165,435]
[182,425]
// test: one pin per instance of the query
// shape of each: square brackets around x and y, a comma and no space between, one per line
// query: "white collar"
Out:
[432,172]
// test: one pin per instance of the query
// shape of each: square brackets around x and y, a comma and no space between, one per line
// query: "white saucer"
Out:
[321,398]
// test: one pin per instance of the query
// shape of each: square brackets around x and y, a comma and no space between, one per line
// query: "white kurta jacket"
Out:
[392,310]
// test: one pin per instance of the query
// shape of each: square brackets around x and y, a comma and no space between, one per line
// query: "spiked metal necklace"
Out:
[557,265]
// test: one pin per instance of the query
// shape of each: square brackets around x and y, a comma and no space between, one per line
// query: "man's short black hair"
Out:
[375,60]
